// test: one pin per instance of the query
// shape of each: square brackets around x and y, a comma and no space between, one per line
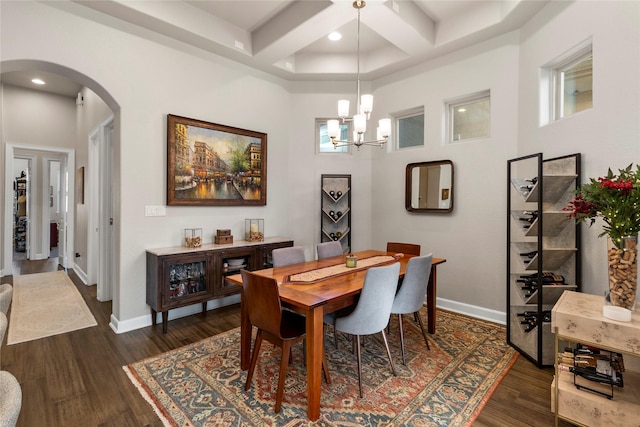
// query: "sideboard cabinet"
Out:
[180,276]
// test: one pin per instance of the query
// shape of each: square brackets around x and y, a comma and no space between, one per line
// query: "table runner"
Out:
[323,273]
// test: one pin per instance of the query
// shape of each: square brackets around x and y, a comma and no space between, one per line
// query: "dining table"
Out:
[317,294]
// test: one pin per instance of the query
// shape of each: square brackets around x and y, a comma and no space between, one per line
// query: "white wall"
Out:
[89,116]
[608,135]
[472,238]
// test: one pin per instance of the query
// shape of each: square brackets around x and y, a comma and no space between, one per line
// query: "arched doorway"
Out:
[105,259]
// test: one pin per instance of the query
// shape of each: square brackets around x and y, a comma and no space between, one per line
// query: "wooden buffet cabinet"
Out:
[181,276]
[577,318]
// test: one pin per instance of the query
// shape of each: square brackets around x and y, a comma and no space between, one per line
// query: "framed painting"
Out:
[214,165]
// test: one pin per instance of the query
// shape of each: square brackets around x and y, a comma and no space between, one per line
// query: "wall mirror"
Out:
[429,187]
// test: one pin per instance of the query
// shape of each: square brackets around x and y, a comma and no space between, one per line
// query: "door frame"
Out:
[100,244]
[67,246]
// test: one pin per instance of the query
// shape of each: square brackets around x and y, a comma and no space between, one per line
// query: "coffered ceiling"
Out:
[288,38]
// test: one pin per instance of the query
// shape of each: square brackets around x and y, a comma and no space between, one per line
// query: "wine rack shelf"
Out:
[335,215]
[542,243]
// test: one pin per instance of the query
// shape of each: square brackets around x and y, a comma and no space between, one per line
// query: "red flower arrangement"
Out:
[615,199]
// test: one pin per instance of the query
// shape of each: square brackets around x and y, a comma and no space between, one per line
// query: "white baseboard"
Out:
[143,321]
[81,274]
[494,316]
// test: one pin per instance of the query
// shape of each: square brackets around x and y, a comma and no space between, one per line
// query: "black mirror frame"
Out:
[408,186]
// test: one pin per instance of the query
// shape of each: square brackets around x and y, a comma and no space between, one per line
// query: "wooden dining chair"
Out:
[403,248]
[282,328]
[410,297]
[287,256]
[329,249]
[372,311]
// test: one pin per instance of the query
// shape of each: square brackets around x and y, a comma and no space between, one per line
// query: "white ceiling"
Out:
[288,38]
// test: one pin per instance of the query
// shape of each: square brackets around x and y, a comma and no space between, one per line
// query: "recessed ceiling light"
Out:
[461,110]
[335,36]
[37,81]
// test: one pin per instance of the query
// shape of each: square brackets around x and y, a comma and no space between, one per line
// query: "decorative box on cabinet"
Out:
[180,276]
[543,243]
[577,318]
[335,216]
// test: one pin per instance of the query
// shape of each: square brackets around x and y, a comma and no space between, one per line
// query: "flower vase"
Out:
[623,273]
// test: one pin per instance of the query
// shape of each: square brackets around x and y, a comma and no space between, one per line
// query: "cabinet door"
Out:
[185,279]
[229,262]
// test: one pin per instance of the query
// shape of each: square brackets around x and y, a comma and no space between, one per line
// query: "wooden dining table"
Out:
[314,300]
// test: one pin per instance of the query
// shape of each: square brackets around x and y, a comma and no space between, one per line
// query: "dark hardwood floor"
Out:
[76,379]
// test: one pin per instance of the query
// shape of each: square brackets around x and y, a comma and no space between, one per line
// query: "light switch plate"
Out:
[155,211]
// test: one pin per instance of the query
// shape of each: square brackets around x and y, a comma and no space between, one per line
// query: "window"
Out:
[469,117]
[323,142]
[566,84]
[410,129]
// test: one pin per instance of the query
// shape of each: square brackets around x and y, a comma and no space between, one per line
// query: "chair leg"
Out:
[404,362]
[386,344]
[357,339]
[325,367]
[254,359]
[286,348]
[424,334]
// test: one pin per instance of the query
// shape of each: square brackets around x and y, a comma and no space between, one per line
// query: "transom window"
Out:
[566,84]
[323,142]
[410,129]
[469,117]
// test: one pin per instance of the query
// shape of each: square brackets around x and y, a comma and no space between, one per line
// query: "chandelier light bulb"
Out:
[360,123]
[366,105]
[343,108]
[333,128]
[385,128]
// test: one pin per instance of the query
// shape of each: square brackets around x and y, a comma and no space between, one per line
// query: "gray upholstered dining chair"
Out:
[286,256]
[372,311]
[411,294]
[6,294]
[329,249]
[10,399]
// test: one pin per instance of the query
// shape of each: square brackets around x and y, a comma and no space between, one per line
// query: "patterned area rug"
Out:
[46,304]
[202,385]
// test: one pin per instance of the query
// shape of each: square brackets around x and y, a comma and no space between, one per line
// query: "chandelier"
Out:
[363,111]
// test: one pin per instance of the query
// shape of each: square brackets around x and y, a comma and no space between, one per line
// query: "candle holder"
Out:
[192,237]
[254,230]
[351,261]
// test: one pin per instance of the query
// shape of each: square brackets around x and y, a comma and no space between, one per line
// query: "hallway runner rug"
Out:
[201,384]
[46,304]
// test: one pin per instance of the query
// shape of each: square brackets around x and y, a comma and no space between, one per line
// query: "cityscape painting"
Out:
[214,165]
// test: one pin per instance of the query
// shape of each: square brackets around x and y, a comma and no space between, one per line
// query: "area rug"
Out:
[201,384]
[46,304]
